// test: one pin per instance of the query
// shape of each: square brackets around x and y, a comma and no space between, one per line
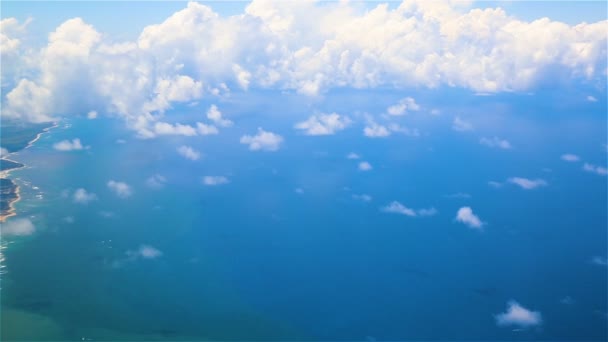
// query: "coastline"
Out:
[12,211]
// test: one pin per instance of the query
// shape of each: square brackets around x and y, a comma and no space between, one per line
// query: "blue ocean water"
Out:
[255,259]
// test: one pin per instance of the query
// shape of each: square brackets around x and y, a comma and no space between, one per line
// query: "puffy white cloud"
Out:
[461,125]
[188,152]
[164,128]
[495,142]
[602,171]
[398,208]
[145,252]
[66,145]
[323,124]
[465,215]
[204,129]
[570,157]
[365,166]
[353,155]
[263,141]
[403,130]
[427,212]
[91,115]
[215,115]
[527,184]
[404,105]
[519,316]
[83,197]
[375,130]
[156,181]
[18,227]
[215,180]
[121,189]
[362,197]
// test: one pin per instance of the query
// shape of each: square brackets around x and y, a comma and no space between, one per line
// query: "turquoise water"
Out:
[256,260]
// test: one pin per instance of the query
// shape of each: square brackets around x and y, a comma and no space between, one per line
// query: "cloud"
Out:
[404,105]
[365,166]
[374,130]
[591,99]
[92,115]
[83,197]
[263,141]
[204,129]
[465,215]
[121,189]
[495,184]
[460,125]
[570,157]
[66,145]
[156,181]
[427,212]
[353,155]
[458,195]
[362,197]
[164,128]
[404,130]
[396,207]
[602,171]
[215,180]
[215,115]
[527,184]
[17,227]
[495,142]
[145,252]
[188,152]
[600,261]
[519,316]
[3,152]
[323,124]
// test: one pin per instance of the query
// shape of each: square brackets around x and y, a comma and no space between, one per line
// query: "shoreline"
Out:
[12,211]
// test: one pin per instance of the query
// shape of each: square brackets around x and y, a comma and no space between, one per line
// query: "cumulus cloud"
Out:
[156,181]
[17,227]
[121,189]
[323,124]
[461,125]
[263,141]
[465,215]
[365,166]
[375,130]
[215,180]
[570,157]
[495,142]
[527,184]
[353,155]
[92,115]
[215,115]
[396,207]
[602,171]
[362,197]
[164,128]
[404,105]
[519,316]
[188,152]
[83,197]
[204,129]
[66,145]
[145,252]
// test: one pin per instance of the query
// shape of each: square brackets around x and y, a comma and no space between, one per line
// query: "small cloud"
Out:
[145,252]
[460,125]
[527,184]
[204,129]
[458,195]
[465,215]
[188,152]
[121,141]
[404,105]
[403,130]
[570,157]
[299,191]
[215,180]
[365,166]
[427,212]
[263,141]
[164,128]
[69,219]
[495,184]
[66,145]
[3,152]
[83,197]
[353,155]
[602,171]
[495,142]
[17,227]
[398,208]
[567,300]
[121,189]
[591,99]
[107,214]
[600,261]
[374,130]
[156,181]
[215,115]
[92,115]
[362,197]
[323,124]
[519,316]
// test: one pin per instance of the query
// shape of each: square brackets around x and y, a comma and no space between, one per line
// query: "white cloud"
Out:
[204,129]
[18,227]
[527,184]
[66,145]
[3,152]
[215,180]
[362,197]
[323,124]
[374,130]
[465,215]
[404,105]
[404,130]
[495,184]
[164,128]
[365,166]
[600,261]
[427,212]
[570,157]
[92,115]
[353,155]
[519,316]
[188,152]
[398,208]
[458,195]
[145,252]
[602,171]
[83,197]
[121,189]
[263,141]
[461,125]
[495,142]
[591,99]
[215,115]
[156,181]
